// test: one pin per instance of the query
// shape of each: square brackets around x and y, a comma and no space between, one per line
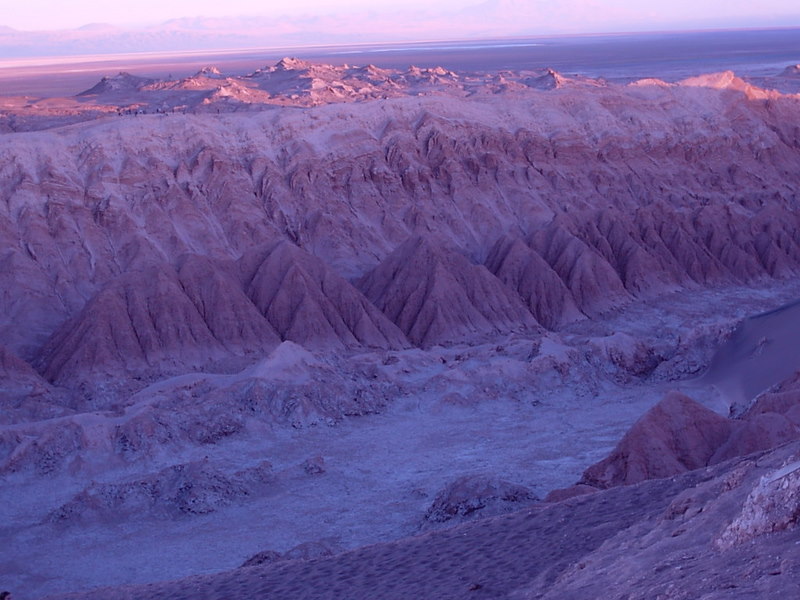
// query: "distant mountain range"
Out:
[492,18]
[207,33]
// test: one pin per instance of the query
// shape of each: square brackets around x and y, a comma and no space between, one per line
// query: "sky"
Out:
[57,14]
[564,14]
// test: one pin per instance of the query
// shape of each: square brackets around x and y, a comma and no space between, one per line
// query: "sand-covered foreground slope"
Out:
[723,532]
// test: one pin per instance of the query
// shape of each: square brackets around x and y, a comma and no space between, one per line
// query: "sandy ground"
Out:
[665,538]
[534,410]
[381,472]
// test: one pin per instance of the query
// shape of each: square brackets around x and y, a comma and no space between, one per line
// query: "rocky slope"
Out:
[443,254]
[679,434]
[437,296]
[597,185]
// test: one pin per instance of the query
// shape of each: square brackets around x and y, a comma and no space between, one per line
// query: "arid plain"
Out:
[478,327]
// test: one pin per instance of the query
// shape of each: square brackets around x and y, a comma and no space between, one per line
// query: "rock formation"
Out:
[306,302]
[436,295]
[474,496]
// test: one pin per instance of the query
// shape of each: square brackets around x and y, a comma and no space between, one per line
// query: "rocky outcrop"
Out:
[772,506]
[474,496]
[180,490]
[679,434]
[122,82]
[675,436]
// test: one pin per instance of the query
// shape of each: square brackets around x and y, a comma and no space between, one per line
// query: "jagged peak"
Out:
[209,71]
[122,81]
[289,63]
[431,72]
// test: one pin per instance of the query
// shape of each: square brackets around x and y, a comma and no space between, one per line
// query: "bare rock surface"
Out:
[675,436]
[471,496]
[435,295]
[783,399]
[153,321]
[217,293]
[310,304]
[539,286]
[772,506]
[680,434]
[350,182]
[413,273]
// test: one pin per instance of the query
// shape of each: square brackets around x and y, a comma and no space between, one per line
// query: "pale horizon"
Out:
[534,16]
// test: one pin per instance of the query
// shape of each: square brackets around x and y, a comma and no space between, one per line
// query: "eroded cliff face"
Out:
[507,268]
[577,199]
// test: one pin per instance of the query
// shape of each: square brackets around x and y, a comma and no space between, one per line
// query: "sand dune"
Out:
[761,353]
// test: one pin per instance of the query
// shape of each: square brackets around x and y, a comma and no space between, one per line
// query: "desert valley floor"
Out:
[356,331]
